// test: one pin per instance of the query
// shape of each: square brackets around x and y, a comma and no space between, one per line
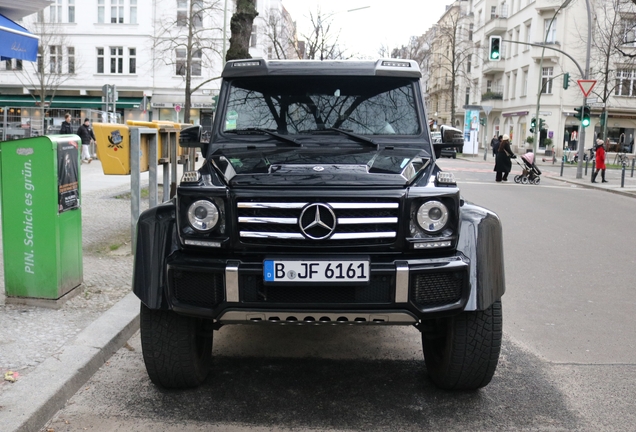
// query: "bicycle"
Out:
[621,159]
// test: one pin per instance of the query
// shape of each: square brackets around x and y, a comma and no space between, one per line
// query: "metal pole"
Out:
[562,163]
[586,168]
[633,161]
[593,167]
[135,182]
[224,34]
[581,143]
[623,176]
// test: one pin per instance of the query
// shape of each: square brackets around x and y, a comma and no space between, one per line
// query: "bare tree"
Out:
[323,41]
[417,49]
[455,50]
[241,28]
[610,56]
[281,34]
[188,41]
[44,77]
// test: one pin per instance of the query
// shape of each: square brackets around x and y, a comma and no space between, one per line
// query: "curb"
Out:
[33,400]
[590,186]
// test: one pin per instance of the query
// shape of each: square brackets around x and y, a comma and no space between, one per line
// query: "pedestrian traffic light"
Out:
[533,124]
[583,114]
[495,48]
[541,124]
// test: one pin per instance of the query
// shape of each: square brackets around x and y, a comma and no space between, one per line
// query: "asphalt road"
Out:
[568,360]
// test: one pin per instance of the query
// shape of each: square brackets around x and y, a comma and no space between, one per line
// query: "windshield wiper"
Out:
[359,138]
[248,131]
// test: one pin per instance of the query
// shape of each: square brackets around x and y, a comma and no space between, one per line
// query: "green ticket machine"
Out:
[41,219]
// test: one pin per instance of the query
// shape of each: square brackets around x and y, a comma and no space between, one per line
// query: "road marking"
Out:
[460,182]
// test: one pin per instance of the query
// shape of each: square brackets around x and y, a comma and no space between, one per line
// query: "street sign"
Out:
[487,109]
[177,107]
[597,105]
[586,86]
[545,113]
[591,100]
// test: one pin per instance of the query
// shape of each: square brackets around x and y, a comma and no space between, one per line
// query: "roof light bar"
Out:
[246,64]
[396,64]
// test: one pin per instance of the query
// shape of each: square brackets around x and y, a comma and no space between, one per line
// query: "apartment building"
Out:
[509,88]
[138,46]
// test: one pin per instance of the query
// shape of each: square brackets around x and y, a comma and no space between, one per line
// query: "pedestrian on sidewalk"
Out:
[66,125]
[503,164]
[600,161]
[494,143]
[85,132]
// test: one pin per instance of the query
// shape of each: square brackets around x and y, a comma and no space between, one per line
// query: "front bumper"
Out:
[400,291]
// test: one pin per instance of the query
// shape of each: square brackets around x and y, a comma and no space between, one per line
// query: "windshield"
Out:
[364,105]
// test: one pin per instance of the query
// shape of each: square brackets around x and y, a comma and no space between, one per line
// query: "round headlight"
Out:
[432,216]
[203,215]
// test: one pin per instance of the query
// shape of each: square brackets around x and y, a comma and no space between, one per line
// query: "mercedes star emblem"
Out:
[317,221]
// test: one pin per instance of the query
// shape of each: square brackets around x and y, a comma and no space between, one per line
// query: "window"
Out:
[116,11]
[56,11]
[197,13]
[70,51]
[197,55]
[55,59]
[100,60]
[546,80]
[507,87]
[528,36]
[524,84]
[518,39]
[196,62]
[100,11]
[467,99]
[471,27]
[493,12]
[629,32]
[116,60]
[181,61]
[488,86]
[513,84]
[625,83]
[253,38]
[71,11]
[132,60]
[182,13]
[15,64]
[469,65]
[550,34]
[41,59]
[133,11]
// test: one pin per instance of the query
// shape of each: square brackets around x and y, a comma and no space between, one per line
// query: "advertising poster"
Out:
[67,169]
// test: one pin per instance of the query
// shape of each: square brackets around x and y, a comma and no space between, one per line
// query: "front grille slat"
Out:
[359,221]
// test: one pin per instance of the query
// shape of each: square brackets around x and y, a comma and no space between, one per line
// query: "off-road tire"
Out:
[177,350]
[463,353]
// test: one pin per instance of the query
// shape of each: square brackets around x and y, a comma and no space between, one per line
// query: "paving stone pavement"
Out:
[28,334]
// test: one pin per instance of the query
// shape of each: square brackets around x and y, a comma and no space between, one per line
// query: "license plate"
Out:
[316,270]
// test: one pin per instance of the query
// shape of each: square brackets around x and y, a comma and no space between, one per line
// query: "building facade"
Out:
[138,46]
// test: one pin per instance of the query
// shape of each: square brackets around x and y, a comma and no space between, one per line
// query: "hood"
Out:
[320,167]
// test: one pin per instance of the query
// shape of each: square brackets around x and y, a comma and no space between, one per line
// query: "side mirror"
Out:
[190,137]
[451,137]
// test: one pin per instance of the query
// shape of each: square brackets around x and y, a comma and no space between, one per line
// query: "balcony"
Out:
[549,56]
[494,93]
[492,67]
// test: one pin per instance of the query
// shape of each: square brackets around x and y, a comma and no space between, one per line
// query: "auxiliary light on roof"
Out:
[246,64]
[396,64]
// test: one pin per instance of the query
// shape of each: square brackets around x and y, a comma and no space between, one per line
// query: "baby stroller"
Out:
[530,172]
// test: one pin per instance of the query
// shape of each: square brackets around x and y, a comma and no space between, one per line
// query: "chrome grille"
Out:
[357,222]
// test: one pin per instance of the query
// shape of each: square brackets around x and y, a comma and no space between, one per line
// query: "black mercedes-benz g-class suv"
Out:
[320,202]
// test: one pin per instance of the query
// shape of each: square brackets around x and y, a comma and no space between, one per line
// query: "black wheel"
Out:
[177,350]
[463,353]
[537,180]
[524,180]
[517,179]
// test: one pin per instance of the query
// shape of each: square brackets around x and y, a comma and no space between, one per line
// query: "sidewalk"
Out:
[553,171]
[53,351]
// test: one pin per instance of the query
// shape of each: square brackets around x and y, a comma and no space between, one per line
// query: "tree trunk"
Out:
[241,28]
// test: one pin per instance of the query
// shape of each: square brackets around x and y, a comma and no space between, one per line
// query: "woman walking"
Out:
[600,161]
[503,165]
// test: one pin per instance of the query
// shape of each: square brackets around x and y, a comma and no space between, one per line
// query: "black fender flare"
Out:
[155,241]
[481,241]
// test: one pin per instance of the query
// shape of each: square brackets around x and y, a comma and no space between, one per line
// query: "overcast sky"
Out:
[388,22]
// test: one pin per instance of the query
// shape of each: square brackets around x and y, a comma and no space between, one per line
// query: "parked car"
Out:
[320,203]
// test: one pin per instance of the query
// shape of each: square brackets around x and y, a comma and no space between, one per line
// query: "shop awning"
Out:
[87,102]
[17,42]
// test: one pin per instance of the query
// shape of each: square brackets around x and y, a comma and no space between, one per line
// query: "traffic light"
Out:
[566,80]
[495,48]
[583,114]
[541,124]
[482,121]
[533,124]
